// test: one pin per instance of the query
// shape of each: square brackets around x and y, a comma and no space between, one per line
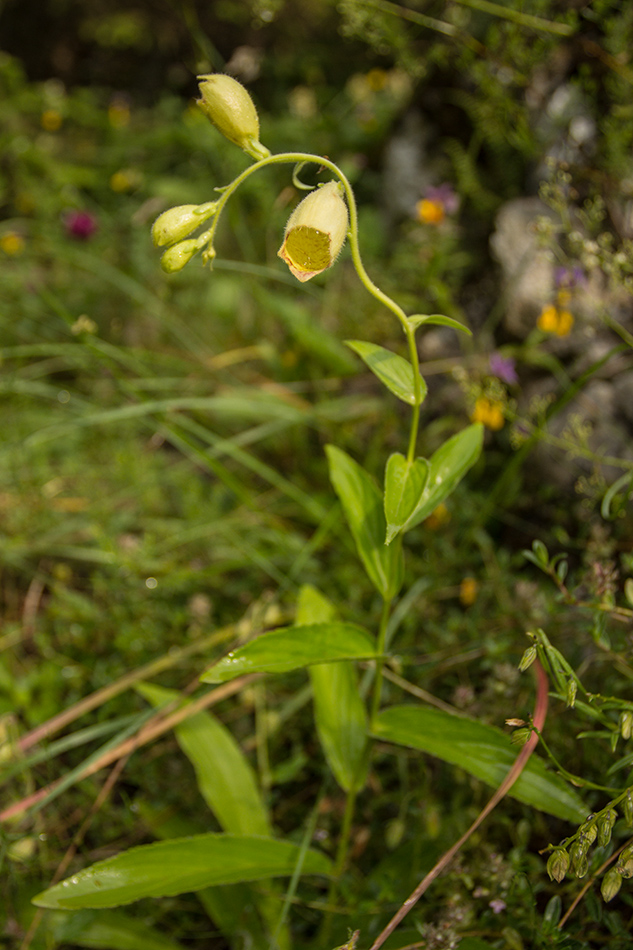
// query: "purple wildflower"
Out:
[80,225]
[569,277]
[503,367]
[497,905]
[444,195]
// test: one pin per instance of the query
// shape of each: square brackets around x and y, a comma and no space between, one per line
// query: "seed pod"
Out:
[588,833]
[175,258]
[227,104]
[178,223]
[578,858]
[627,806]
[626,724]
[557,865]
[625,862]
[315,232]
[605,826]
[611,884]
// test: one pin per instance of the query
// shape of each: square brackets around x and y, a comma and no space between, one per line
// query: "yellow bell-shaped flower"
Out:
[315,232]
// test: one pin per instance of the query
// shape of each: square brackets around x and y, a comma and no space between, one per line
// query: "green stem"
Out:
[380,649]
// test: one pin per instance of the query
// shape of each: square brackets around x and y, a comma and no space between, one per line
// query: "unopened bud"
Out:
[315,232]
[527,659]
[626,724]
[578,857]
[227,104]
[520,736]
[557,865]
[605,826]
[175,258]
[627,807]
[611,884]
[572,689]
[178,223]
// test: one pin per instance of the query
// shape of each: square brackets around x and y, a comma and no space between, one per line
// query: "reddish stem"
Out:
[538,721]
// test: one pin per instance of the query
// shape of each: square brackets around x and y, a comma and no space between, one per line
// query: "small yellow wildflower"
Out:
[51,120]
[489,412]
[430,212]
[554,320]
[565,322]
[120,181]
[468,590]
[12,244]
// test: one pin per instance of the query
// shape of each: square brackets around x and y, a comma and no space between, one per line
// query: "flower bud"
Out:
[557,865]
[605,826]
[315,232]
[175,258]
[178,223]
[611,884]
[572,689]
[227,104]
[627,807]
[626,724]
[528,658]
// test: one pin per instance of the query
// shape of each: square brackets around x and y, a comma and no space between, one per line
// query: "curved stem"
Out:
[296,158]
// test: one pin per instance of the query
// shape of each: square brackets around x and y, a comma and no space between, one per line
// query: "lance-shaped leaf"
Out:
[291,648]
[339,711]
[363,507]
[482,751]
[178,866]
[404,483]
[447,467]
[392,370]
[225,778]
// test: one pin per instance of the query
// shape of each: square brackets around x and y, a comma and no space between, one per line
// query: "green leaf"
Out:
[291,648]
[404,483]
[339,711]
[363,507]
[395,372]
[482,751]
[109,930]
[447,467]
[225,779]
[418,319]
[176,867]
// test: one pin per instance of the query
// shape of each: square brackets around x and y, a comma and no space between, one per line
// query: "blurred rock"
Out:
[527,269]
